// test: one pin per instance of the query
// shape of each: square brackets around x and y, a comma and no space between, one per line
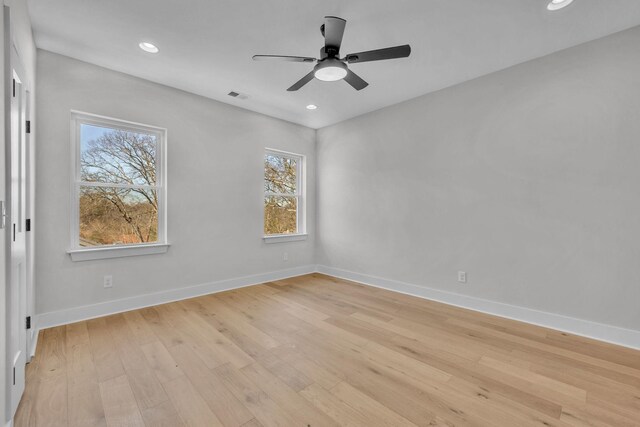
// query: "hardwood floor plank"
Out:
[85,405]
[298,310]
[51,406]
[334,407]
[263,314]
[219,349]
[295,405]
[204,348]
[120,406]
[449,361]
[622,373]
[162,415]
[229,410]
[189,404]
[320,351]
[310,369]
[228,315]
[105,357]
[498,409]
[160,360]
[544,386]
[85,402]
[349,366]
[145,385]
[25,415]
[228,351]
[593,348]
[229,330]
[266,411]
[375,412]
[162,329]
[139,327]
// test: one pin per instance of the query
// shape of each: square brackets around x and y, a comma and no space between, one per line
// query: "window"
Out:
[118,188]
[283,196]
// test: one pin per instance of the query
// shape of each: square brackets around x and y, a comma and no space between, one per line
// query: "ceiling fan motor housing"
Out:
[329,52]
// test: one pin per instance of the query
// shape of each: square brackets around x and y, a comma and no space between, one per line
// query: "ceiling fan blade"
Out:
[303,81]
[283,58]
[379,54]
[333,31]
[354,80]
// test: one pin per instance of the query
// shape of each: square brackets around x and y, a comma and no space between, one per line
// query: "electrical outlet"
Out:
[285,256]
[108,281]
[462,276]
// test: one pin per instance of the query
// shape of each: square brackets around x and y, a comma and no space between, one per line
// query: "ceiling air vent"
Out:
[237,95]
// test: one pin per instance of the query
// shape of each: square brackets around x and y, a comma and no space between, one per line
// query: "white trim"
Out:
[301,190]
[111,185]
[77,314]
[34,338]
[598,331]
[282,238]
[88,254]
[270,194]
[77,119]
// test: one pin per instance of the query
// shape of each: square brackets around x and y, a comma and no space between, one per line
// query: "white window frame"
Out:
[300,195]
[79,253]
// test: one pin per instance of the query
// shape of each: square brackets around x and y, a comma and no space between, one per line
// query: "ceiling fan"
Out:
[330,67]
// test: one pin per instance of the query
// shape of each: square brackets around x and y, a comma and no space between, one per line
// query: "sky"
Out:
[89,133]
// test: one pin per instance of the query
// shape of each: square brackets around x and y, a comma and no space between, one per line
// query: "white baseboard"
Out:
[607,333]
[34,339]
[77,314]
[611,334]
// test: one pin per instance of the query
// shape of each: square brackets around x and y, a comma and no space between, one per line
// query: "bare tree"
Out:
[280,175]
[128,160]
[280,212]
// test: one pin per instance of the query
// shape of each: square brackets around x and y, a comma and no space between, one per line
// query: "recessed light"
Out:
[148,47]
[312,107]
[558,4]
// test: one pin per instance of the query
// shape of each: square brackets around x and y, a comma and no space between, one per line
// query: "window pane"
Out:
[280,174]
[280,215]
[117,156]
[112,216]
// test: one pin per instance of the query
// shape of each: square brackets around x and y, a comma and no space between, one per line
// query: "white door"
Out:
[17,292]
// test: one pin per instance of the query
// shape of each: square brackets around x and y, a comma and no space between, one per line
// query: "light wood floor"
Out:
[318,351]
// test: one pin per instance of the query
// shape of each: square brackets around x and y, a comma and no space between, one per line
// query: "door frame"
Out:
[30,236]
[4,261]
[12,61]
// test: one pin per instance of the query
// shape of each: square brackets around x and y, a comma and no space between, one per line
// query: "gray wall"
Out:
[215,155]
[527,179]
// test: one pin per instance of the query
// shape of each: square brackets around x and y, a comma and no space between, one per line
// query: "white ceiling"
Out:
[206,45]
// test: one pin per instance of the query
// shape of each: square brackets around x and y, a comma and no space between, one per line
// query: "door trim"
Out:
[13,61]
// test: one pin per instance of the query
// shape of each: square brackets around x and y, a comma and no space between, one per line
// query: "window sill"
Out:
[117,252]
[281,238]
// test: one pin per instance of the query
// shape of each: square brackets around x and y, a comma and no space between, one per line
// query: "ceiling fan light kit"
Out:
[558,4]
[330,67]
[148,47]
[330,70]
